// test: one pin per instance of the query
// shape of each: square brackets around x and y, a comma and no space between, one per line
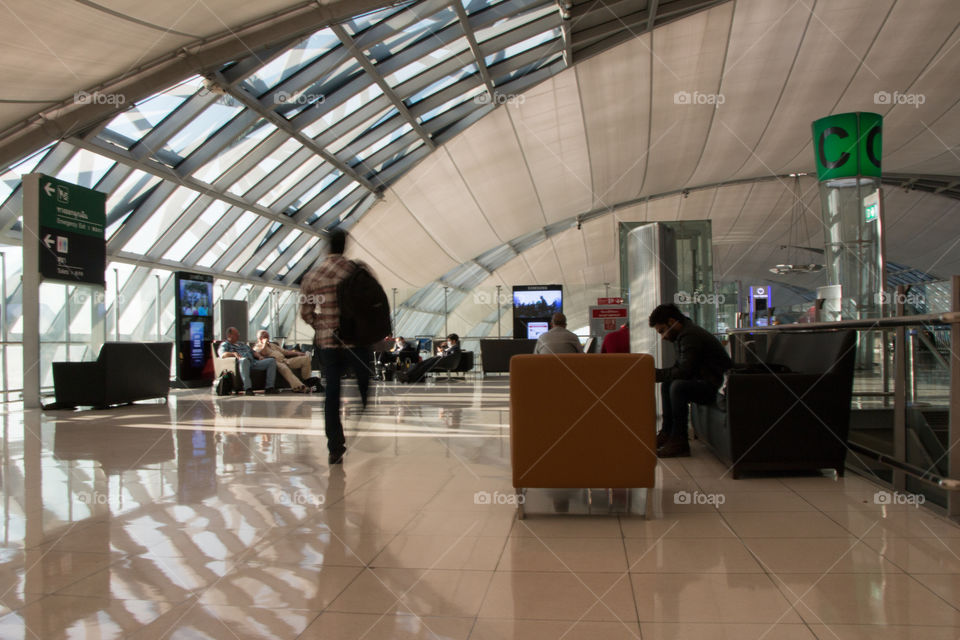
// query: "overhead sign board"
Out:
[609,301]
[71,231]
[847,145]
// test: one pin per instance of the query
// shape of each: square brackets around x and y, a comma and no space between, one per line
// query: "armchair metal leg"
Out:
[521,499]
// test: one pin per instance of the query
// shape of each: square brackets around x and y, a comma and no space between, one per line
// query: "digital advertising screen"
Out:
[533,305]
[196,298]
[193,300]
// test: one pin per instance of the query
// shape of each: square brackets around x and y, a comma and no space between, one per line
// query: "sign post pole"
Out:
[63,240]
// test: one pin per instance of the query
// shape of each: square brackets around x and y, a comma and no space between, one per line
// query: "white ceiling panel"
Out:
[688,59]
[399,240]
[492,163]
[698,205]
[763,40]
[437,196]
[615,93]
[543,263]
[549,125]
[571,250]
[836,40]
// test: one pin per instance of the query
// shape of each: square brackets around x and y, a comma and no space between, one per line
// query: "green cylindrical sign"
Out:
[846,145]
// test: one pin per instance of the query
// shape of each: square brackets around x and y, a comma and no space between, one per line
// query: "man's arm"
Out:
[689,357]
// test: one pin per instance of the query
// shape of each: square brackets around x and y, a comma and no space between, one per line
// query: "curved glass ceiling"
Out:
[241,170]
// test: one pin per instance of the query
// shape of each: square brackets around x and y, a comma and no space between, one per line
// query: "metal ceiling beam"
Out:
[388,91]
[170,175]
[171,265]
[281,123]
[474,47]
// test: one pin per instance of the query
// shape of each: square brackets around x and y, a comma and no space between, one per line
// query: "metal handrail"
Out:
[931,478]
[951,317]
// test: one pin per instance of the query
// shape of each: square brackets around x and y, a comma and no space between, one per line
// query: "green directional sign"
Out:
[846,145]
[71,231]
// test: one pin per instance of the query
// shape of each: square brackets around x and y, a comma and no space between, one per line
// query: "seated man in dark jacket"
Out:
[418,372]
[696,376]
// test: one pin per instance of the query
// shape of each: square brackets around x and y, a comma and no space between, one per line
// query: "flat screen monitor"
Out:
[196,298]
[534,329]
[537,301]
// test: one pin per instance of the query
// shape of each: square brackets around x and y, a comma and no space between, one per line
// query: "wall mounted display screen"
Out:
[532,307]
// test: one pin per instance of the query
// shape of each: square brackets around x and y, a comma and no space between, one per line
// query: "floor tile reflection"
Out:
[216,517]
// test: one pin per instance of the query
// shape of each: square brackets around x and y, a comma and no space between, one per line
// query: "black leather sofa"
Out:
[124,372]
[796,419]
[495,353]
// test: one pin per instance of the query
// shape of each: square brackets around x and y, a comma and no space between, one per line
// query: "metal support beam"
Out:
[388,91]
[474,47]
[281,123]
[170,175]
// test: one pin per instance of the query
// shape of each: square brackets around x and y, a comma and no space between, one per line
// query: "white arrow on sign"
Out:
[49,189]
[48,240]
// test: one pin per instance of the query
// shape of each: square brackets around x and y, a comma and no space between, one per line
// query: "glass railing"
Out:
[904,416]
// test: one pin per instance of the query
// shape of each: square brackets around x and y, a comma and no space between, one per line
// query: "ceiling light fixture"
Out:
[796,236]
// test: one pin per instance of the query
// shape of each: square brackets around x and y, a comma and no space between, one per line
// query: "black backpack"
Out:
[224,386]
[364,309]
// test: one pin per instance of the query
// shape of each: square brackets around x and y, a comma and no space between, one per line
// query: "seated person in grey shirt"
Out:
[558,339]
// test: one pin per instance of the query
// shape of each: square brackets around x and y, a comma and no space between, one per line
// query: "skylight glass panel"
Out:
[296,257]
[453,102]
[208,122]
[459,47]
[136,122]
[315,190]
[291,61]
[361,129]
[237,150]
[265,166]
[364,22]
[10,179]
[329,204]
[340,112]
[383,142]
[504,25]
[228,237]
[85,169]
[197,231]
[443,83]
[160,220]
[473,6]
[520,47]
[290,181]
[292,103]
[397,156]
[398,41]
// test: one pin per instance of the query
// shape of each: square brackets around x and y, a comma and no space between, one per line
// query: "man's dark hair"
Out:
[453,337]
[664,312]
[338,241]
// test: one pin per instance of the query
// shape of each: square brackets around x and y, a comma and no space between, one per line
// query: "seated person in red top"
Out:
[617,341]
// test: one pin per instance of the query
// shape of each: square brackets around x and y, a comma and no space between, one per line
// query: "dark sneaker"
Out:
[248,392]
[271,390]
[336,458]
[674,449]
[661,438]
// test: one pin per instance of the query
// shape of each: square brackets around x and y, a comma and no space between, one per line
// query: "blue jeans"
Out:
[675,397]
[266,364]
[334,362]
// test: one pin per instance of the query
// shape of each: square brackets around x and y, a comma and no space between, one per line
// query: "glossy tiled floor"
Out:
[219,518]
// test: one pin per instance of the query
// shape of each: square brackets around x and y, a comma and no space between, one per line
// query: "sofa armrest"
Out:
[79,383]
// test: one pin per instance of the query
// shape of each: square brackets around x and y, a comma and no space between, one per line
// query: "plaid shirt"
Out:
[319,306]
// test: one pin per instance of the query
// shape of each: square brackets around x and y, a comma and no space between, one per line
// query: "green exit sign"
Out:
[870,211]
